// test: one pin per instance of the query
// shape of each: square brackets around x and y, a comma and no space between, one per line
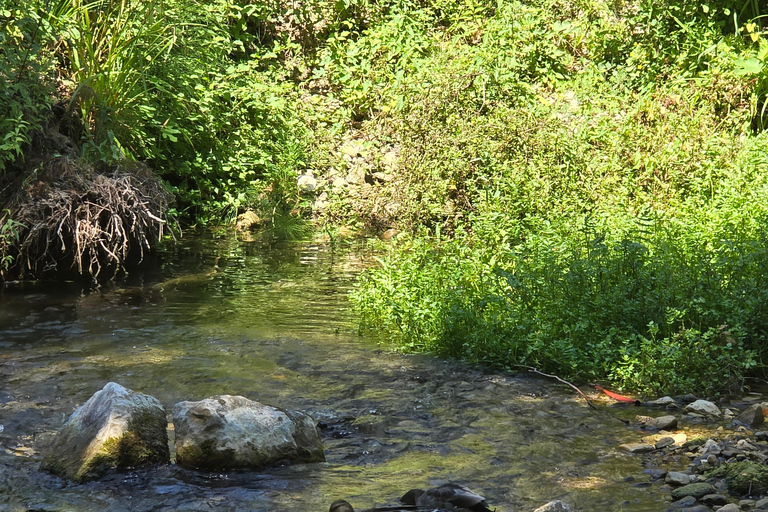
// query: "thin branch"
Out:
[531,369]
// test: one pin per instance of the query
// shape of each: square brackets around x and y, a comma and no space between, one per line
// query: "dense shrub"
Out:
[589,190]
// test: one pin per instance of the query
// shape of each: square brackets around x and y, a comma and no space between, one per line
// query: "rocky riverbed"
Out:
[707,456]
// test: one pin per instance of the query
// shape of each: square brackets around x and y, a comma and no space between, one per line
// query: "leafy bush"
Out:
[644,307]
[25,69]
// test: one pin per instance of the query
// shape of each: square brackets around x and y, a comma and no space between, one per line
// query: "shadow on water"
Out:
[274,324]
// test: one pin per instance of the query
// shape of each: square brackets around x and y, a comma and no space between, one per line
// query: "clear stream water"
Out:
[273,323]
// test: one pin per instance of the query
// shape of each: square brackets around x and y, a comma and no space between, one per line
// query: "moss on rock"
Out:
[745,477]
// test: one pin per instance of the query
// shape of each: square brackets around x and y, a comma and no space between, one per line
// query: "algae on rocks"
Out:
[115,428]
[744,477]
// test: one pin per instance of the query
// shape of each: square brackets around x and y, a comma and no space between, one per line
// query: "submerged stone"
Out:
[637,447]
[115,428]
[662,423]
[233,432]
[697,490]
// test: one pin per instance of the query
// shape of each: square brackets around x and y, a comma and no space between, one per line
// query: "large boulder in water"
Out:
[232,432]
[115,428]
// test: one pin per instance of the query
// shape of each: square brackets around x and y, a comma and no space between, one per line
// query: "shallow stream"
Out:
[273,323]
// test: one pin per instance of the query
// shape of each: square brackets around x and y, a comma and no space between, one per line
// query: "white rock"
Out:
[231,432]
[306,183]
[704,407]
[554,506]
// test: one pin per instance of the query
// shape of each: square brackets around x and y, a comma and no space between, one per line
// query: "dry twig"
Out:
[531,369]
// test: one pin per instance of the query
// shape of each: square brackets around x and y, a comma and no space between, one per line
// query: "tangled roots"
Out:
[72,219]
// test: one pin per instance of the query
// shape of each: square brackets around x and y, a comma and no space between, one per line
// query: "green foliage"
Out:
[604,207]
[674,306]
[108,46]
[9,238]
[24,74]
[581,179]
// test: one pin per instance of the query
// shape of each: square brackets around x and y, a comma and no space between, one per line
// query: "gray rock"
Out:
[747,504]
[662,423]
[762,503]
[730,507]
[232,432]
[714,499]
[705,408]
[663,442]
[696,508]
[664,401]
[697,490]
[710,447]
[688,501]
[752,415]
[677,478]
[115,428]
[637,447]
[554,506]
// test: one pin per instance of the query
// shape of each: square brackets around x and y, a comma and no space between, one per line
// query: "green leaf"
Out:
[751,66]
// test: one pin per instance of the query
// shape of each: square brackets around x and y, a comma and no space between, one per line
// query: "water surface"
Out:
[273,323]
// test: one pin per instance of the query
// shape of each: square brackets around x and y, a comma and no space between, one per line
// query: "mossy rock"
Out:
[745,477]
[697,490]
[116,428]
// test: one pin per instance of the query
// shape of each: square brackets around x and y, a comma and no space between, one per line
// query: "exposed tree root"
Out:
[73,219]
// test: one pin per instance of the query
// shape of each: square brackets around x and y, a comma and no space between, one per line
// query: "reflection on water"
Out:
[274,324]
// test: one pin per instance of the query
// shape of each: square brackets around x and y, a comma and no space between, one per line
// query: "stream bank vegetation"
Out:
[579,186]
